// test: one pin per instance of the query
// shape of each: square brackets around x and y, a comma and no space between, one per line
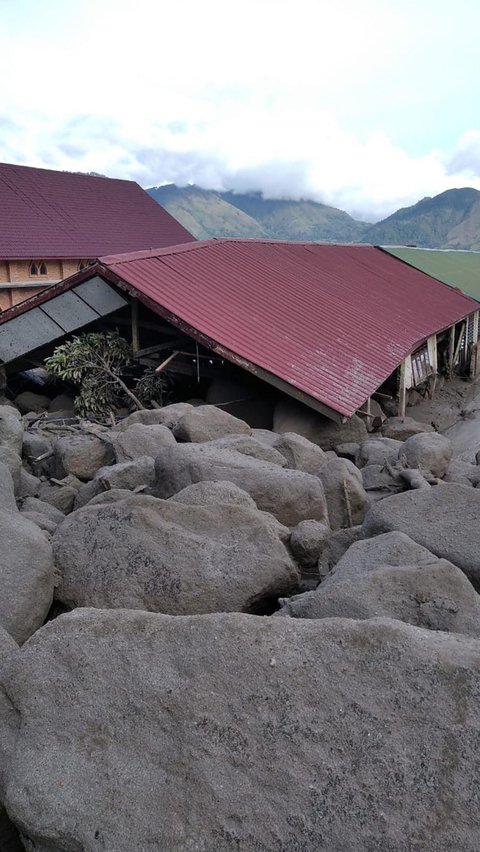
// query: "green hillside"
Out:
[449,220]
[227,214]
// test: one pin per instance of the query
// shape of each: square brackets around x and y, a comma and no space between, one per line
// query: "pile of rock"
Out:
[144,704]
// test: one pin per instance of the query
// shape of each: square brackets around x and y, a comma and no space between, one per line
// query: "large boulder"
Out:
[213,493]
[14,463]
[427,451]
[26,576]
[167,556]
[230,732]
[392,576]
[9,655]
[347,499]
[38,453]
[9,838]
[307,542]
[249,446]
[444,519]
[291,416]
[82,455]
[290,495]
[300,453]
[7,489]
[30,401]
[33,504]
[129,474]
[168,416]
[11,429]
[401,428]
[141,440]
[206,423]
[378,450]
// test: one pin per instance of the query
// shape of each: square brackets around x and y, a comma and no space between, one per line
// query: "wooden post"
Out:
[135,331]
[402,391]
[451,349]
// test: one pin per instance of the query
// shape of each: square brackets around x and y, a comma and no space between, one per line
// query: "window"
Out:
[82,264]
[38,267]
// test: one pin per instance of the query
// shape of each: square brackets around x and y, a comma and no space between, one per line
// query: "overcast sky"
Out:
[368,105]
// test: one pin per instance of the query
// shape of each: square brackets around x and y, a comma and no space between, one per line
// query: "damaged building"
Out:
[333,327]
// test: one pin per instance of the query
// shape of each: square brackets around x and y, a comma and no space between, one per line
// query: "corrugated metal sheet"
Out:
[49,214]
[452,266]
[60,314]
[332,321]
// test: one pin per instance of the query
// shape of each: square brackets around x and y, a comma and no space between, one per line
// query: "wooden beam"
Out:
[402,391]
[135,330]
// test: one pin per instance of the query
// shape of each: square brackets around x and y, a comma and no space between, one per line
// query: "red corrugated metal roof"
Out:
[49,214]
[331,321]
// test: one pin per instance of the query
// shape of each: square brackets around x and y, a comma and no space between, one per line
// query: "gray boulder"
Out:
[9,838]
[290,495]
[41,521]
[62,497]
[11,429]
[62,402]
[300,453]
[335,546]
[265,436]
[29,484]
[347,499]
[26,576]
[230,732]
[166,556]
[249,446]
[392,576]
[14,464]
[206,423]
[7,490]
[167,416]
[462,473]
[378,450]
[213,493]
[443,519]
[307,542]
[87,492]
[141,440]
[82,455]
[38,453]
[401,428]
[33,504]
[427,451]
[291,416]
[29,401]
[129,474]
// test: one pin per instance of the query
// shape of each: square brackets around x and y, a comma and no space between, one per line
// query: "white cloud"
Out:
[295,100]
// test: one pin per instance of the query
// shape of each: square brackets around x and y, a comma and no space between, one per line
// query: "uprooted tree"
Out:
[96,364]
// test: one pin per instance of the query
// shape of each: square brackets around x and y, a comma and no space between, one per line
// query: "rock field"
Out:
[215,638]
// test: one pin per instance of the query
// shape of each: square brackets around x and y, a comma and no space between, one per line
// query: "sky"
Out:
[367,105]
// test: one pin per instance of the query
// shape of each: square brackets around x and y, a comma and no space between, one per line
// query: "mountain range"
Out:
[449,220]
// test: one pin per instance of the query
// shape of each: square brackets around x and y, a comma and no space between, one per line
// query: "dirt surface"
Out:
[455,412]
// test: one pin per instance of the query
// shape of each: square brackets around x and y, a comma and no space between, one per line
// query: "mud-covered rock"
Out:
[230,732]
